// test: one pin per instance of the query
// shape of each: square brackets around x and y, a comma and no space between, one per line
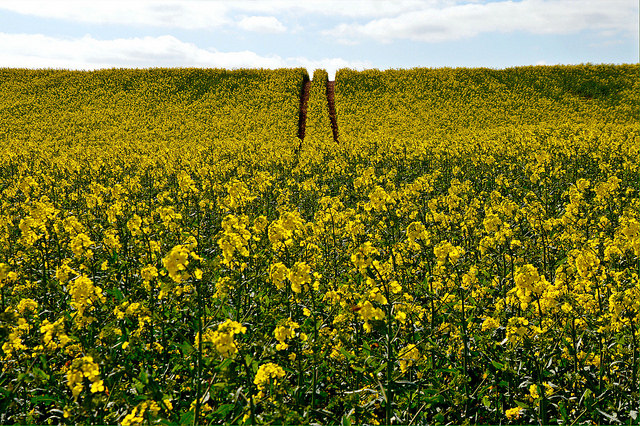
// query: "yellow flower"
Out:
[260,224]
[223,339]
[284,332]
[80,243]
[444,249]
[548,389]
[81,368]
[407,356]
[490,324]
[27,305]
[83,296]
[533,391]
[368,312]
[299,275]
[111,239]
[492,222]
[513,413]
[378,198]
[235,238]
[587,263]
[6,275]
[51,331]
[278,274]
[267,373]
[395,287]
[416,231]
[529,282]
[64,270]
[148,273]
[176,262]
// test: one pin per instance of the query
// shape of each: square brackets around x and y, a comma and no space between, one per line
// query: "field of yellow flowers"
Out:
[465,251]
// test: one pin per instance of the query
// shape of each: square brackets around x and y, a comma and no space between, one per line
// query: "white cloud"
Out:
[37,50]
[337,8]
[262,24]
[197,14]
[421,20]
[171,14]
[453,22]
[88,53]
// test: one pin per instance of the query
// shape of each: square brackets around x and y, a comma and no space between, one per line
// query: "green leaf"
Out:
[248,359]
[138,385]
[186,349]
[587,398]
[45,399]
[346,354]
[144,378]
[187,418]
[563,411]
[366,348]
[486,402]
[224,409]
[41,374]
[382,390]
[437,399]
[497,365]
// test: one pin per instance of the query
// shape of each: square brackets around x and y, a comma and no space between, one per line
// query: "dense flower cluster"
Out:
[467,251]
[268,375]
[222,339]
[84,367]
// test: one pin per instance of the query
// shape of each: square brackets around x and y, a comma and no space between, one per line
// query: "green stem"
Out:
[575,346]
[465,343]
[196,418]
[390,357]
[389,365]
[634,365]
[315,350]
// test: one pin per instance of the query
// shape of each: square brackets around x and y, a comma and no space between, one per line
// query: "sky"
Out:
[329,34]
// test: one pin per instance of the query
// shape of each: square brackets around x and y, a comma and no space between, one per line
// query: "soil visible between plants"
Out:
[304,101]
[332,108]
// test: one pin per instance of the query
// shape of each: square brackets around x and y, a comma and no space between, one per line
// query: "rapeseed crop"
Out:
[465,252]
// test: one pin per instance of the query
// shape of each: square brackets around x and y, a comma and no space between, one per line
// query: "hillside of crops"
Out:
[461,249]
[242,113]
